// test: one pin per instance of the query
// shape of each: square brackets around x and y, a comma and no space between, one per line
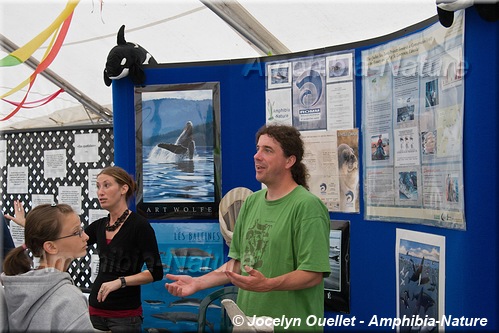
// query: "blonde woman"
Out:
[125,242]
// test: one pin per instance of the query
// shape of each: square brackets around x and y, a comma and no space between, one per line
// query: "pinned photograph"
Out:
[339,67]
[420,267]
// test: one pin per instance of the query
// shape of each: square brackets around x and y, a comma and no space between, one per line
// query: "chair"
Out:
[229,292]
[262,324]
[229,210]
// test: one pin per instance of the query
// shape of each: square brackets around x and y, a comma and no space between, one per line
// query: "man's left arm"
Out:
[256,281]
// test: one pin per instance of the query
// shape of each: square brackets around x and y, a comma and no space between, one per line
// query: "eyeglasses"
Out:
[76,233]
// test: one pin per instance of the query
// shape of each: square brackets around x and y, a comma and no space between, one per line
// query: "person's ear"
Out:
[50,247]
[124,189]
[290,161]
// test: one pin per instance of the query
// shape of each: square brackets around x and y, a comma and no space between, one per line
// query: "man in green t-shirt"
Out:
[280,244]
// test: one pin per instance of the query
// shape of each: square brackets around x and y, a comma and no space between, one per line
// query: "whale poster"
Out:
[186,249]
[178,150]
[420,270]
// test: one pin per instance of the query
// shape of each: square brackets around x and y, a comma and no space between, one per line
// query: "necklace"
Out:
[118,222]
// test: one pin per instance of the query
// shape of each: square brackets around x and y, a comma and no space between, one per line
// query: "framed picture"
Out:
[178,150]
[337,284]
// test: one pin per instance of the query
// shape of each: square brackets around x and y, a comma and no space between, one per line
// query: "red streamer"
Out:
[45,63]
[43,101]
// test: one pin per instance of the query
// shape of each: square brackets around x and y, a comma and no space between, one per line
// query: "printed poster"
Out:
[420,269]
[332,160]
[186,248]
[413,111]
[312,93]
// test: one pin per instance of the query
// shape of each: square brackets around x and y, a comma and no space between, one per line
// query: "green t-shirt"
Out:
[278,237]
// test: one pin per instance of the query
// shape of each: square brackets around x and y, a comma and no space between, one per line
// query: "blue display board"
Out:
[471,263]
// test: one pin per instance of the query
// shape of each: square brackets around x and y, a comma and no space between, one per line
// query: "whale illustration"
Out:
[190,302]
[190,252]
[416,275]
[423,300]
[181,316]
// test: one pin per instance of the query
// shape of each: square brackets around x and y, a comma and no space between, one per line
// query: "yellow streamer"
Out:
[25,82]
[24,52]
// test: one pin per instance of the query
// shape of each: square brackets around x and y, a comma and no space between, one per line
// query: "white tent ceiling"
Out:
[176,31]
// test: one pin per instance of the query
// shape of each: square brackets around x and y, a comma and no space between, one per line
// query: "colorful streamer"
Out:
[41,102]
[25,82]
[23,53]
[45,63]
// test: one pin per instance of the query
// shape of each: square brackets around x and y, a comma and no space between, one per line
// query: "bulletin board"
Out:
[28,149]
[372,243]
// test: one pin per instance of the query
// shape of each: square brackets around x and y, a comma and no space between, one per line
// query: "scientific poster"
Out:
[92,182]
[3,153]
[340,94]
[86,148]
[54,163]
[413,97]
[40,199]
[70,195]
[17,179]
[316,95]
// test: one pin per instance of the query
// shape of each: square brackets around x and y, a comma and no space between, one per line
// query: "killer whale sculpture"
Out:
[488,10]
[127,59]
[185,143]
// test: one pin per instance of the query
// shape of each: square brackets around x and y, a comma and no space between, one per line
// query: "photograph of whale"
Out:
[185,143]
[179,147]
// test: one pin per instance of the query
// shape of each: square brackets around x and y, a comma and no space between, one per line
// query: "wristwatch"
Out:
[123,281]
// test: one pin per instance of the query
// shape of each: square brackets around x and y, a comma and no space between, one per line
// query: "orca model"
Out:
[127,59]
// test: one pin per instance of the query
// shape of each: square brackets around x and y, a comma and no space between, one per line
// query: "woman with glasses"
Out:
[44,298]
[125,242]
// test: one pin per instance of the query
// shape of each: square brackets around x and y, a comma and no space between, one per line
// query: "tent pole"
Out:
[247,26]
